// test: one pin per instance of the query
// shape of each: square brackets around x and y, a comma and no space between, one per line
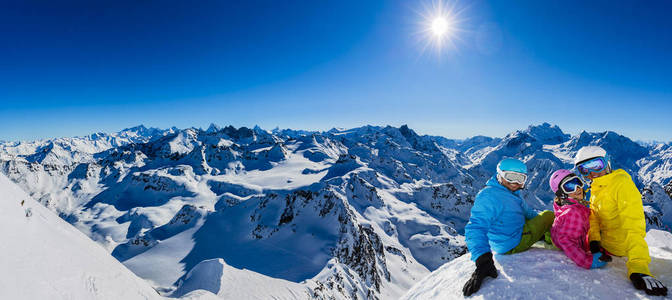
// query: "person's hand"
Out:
[595,247]
[649,284]
[605,257]
[597,261]
[484,267]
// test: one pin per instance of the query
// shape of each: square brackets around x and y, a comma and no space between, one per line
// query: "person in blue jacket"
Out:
[502,221]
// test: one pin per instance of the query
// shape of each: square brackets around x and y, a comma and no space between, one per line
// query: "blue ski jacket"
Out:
[496,220]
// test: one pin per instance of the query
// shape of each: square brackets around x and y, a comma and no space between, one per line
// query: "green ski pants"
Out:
[533,230]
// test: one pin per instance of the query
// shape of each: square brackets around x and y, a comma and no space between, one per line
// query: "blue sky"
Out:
[73,68]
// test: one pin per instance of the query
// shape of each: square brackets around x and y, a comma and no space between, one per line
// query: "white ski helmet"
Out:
[588,152]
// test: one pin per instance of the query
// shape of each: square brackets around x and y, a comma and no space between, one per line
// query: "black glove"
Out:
[484,267]
[595,247]
[649,284]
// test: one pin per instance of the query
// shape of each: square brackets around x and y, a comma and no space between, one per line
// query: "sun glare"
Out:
[440,25]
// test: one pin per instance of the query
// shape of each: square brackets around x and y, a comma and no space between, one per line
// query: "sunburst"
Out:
[440,26]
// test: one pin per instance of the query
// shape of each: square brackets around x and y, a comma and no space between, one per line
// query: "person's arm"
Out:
[529,213]
[483,214]
[594,231]
[632,219]
[631,215]
[485,211]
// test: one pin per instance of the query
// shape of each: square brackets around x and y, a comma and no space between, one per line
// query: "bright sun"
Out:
[440,25]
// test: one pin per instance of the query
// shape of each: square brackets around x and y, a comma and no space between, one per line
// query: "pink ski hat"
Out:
[557,177]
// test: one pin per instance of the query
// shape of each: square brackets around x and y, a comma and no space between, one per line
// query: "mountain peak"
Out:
[407,132]
[138,128]
[140,131]
[260,130]
[547,133]
[240,133]
[213,128]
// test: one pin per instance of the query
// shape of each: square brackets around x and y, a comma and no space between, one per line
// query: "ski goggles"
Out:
[596,165]
[571,184]
[513,177]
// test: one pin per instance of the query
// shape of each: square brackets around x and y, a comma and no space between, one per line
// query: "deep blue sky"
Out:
[73,68]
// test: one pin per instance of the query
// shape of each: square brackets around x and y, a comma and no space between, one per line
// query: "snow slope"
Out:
[227,282]
[547,274]
[43,257]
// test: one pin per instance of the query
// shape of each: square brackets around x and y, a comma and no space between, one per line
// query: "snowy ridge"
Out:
[547,274]
[344,214]
[43,257]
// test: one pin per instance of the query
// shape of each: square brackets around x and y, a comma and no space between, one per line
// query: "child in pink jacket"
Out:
[571,224]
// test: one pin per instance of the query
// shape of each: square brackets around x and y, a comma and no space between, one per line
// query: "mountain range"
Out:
[360,213]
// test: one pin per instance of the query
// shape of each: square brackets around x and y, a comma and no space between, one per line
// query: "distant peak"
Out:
[544,126]
[242,132]
[258,129]
[611,134]
[213,128]
[138,128]
[547,133]
[336,130]
[407,132]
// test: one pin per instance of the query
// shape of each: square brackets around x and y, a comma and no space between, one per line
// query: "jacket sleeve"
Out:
[629,202]
[594,231]
[569,238]
[529,213]
[483,214]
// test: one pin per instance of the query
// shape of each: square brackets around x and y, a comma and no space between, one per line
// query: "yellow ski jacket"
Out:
[617,219]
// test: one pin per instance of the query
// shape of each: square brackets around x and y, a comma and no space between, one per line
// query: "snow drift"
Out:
[547,274]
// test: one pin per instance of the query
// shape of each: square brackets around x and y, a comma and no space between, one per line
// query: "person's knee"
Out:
[548,216]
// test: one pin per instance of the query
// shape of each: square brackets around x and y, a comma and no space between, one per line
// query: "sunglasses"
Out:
[594,165]
[513,177]
[571,184]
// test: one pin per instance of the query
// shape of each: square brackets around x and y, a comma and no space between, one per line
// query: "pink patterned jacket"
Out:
[570,229]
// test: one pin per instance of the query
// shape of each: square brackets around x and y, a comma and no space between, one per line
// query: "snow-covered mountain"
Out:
[547,274]
[43,257]
[349,214]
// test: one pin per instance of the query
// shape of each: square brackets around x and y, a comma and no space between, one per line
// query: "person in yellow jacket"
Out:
[617,222]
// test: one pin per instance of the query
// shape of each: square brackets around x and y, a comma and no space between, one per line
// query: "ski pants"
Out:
[533,230]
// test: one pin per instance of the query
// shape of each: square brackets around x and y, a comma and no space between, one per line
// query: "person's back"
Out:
[500,219]
[501,214]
